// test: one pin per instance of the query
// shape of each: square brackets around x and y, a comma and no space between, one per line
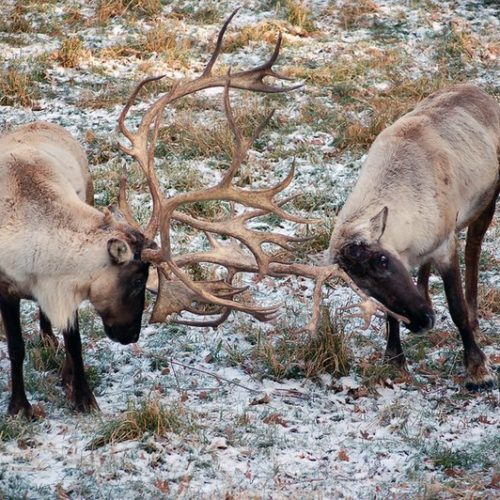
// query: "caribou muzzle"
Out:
[422,321]
[123,334]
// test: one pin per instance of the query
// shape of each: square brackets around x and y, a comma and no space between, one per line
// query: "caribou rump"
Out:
[432,173]
[58,250]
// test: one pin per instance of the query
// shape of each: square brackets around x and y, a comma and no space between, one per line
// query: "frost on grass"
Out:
[251,409]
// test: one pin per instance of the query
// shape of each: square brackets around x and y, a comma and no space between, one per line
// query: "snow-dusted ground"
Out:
[253,435]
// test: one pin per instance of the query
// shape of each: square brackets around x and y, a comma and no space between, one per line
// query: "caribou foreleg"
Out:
[73,374]
[11,319]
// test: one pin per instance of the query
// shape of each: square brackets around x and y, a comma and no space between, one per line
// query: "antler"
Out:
[177,292]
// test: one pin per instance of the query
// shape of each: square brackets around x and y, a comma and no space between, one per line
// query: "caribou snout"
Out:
[421,322]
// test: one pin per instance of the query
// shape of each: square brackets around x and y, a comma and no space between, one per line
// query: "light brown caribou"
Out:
[432,173]
[58,250]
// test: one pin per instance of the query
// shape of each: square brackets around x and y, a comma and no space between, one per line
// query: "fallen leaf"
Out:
[453,472]
[261,400]
[495,481]
[343,456]
[275,418]
[162,485]
[61,493]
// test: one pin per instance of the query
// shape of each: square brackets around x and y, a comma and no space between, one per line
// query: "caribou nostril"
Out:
[430,320]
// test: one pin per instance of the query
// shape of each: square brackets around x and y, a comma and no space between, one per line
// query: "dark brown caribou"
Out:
[59,251]
[432,173]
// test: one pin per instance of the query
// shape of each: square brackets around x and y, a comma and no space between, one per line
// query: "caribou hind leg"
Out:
[46,331]
[11,319]
[479,374]
[424,273]
[475,235]
[74,373]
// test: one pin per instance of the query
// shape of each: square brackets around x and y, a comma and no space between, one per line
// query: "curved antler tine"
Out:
[123,204]
[262,126]
[229,112]
[208,68]
[211,324]
[130,102]
[281,186]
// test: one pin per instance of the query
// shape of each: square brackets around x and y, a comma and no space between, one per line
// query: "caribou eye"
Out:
[139,283]
[383,261]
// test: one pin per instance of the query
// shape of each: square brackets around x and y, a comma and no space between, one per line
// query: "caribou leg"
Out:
[479,374]
[475,235]
[394,352]
[424,272]
[73,374]
[11,319]
[46,332]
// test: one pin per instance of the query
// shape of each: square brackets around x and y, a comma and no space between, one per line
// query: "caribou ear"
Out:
[377,224]
[119,251]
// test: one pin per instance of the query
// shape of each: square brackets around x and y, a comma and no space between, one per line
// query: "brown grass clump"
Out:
[18,22]
[353,13]
[71,52]
[264,31]
[161,39]
[488,301]
[189,138]
[147,416]
[107,9]
[16,88]
[291,357]
[109,95]
[386,107]
[298,14]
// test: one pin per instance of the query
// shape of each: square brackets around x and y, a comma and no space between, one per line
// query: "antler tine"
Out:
[208,68]
[123,204]
[153,184]
[241,146]
[210,324]
[121,119]
[258,74]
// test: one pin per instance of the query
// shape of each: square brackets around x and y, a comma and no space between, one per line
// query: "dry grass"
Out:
[71,52]
[291,357]
[299,14]
[192,139]
[385,107]
[348,68]
[44,356]
[353,13]
[110,94]
[488,301]
[264,31]
[17,21]
[456,49]
[107,9]
[163,39]
[16,88]
[147,416]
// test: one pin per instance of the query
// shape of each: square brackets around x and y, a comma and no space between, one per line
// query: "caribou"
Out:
[432,173]
[58,250]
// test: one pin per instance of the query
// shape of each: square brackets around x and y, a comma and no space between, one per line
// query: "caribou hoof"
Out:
[20,407]
[85,403]
[397,360]
[480,377]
